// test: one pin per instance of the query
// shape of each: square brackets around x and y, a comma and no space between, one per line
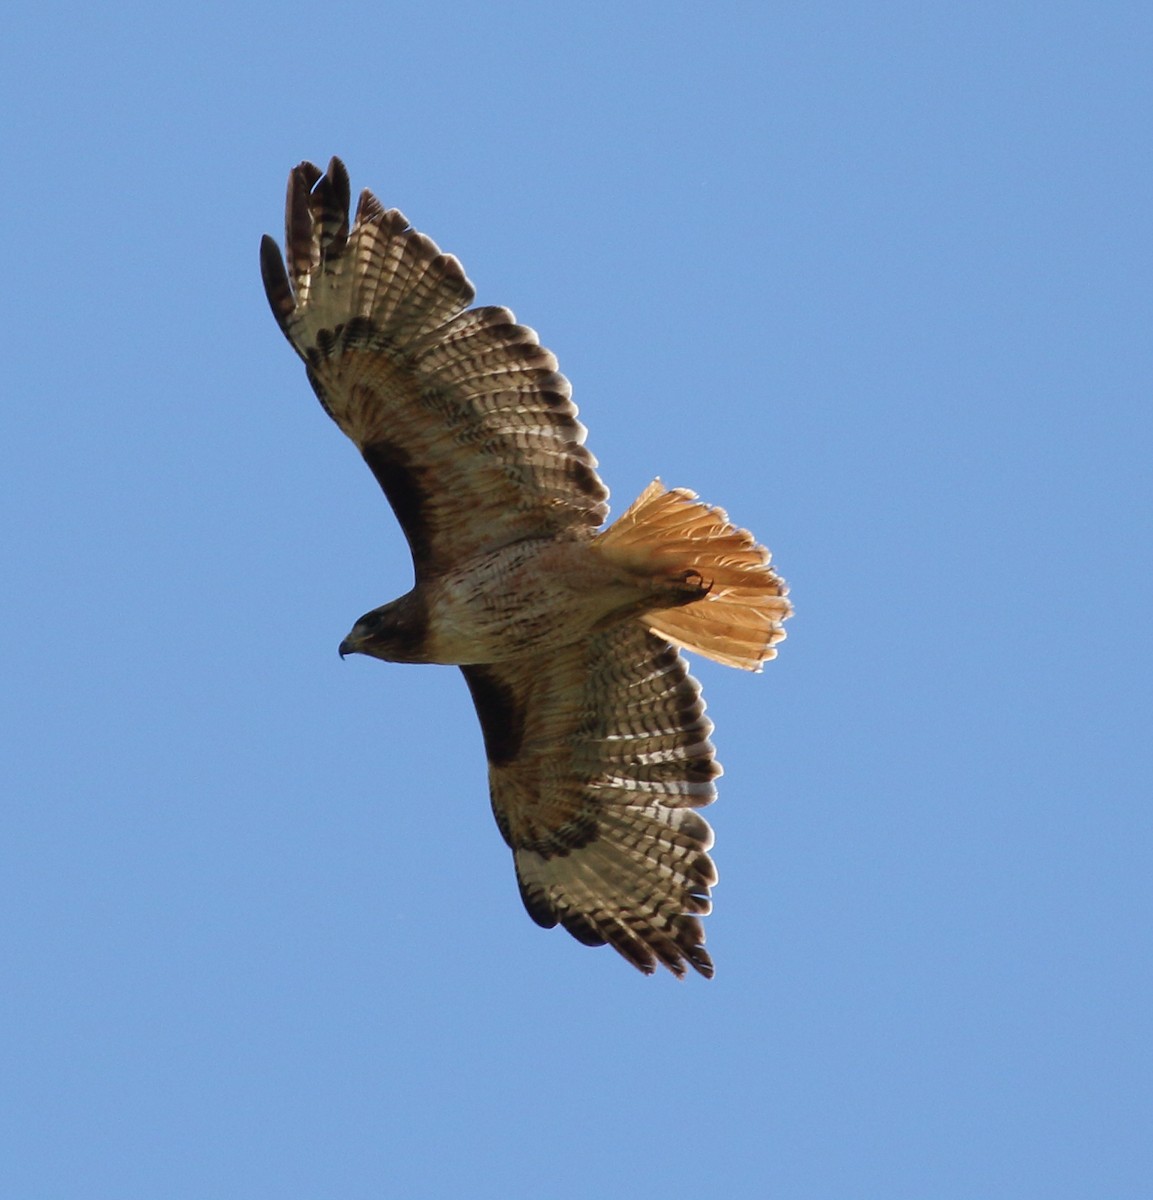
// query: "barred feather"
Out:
[598,801]
[596,736]
[462,415]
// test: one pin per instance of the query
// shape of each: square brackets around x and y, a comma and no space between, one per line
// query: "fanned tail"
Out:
[668,532]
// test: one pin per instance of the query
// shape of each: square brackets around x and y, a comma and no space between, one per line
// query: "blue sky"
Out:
[873,277]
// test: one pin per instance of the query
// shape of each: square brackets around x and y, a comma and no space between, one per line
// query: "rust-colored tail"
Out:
[669,532]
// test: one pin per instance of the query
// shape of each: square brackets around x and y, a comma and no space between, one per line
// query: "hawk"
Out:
[567,632]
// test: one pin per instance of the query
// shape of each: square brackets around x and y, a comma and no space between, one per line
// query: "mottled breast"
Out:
[524,598]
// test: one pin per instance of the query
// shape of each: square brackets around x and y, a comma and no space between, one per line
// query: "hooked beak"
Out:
[354,641]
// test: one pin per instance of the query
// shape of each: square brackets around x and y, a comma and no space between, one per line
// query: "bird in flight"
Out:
[567,631]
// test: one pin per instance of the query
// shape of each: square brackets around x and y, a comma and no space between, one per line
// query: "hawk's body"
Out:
[596,737]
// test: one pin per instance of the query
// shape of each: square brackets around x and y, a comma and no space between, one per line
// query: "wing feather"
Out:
[599,756]
[460,413]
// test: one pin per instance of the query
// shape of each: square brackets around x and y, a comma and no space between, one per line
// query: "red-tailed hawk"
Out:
[567,633]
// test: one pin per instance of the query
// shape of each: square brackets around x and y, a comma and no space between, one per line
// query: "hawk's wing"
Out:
[598,756]
[462,415]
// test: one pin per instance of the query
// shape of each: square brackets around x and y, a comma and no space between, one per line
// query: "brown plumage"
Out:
[567,634]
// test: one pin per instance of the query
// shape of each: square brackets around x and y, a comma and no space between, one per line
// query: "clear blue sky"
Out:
[875,277]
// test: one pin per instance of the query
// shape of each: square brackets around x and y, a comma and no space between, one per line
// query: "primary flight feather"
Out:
[567,633]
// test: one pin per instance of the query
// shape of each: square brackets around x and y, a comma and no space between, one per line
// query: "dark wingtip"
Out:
[368,207]
[316,215]
[536,905]
[298,218]
[276,285]
[700,961]
[337,174]
[329,203]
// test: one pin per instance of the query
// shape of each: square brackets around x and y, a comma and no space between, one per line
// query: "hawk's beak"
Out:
[354,642]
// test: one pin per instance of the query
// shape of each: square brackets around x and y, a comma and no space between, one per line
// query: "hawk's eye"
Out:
[376,622]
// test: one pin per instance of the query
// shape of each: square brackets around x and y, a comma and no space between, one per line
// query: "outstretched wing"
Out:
[599,756]
[460,413]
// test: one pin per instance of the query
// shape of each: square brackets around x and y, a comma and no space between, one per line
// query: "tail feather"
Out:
[669,532]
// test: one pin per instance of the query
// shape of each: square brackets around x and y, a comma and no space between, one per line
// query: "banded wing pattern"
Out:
[460,413]
[599,757]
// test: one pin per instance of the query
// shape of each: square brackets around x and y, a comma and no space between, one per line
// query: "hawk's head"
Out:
[394,632]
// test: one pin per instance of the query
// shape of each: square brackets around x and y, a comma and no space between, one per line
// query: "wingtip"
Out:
[330,200]
[368,207]
[305,172]
[338,173]
[298,219]
[275,277]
